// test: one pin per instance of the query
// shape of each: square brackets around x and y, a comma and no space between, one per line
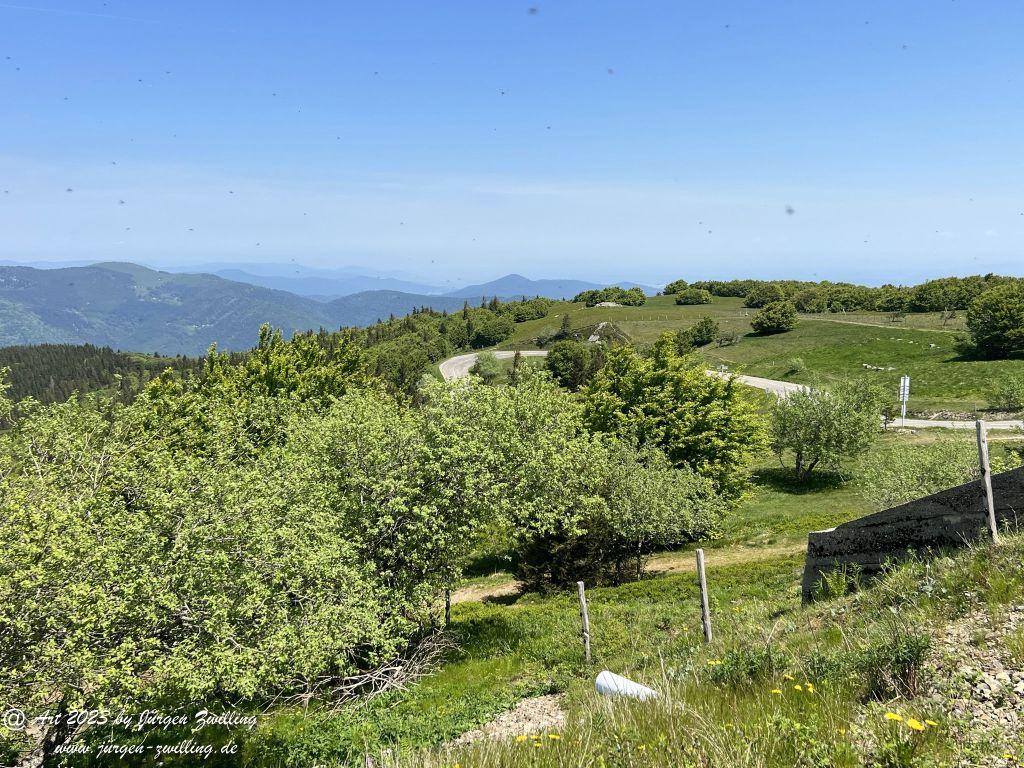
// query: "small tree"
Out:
[995,321]
[816,428]
[573,363]
[487,367]
[777,317]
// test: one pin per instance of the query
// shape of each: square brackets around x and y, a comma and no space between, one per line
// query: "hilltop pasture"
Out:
[822,349]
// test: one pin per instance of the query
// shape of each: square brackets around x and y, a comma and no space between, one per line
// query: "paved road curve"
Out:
[458,367]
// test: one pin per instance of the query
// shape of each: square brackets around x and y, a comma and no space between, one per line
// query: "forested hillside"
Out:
[51,373]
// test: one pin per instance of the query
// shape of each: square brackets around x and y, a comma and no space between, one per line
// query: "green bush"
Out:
[663,400]
[693,296]
[763,295]
[894,664]
[574,363]
[676,286]
[487,367]
[1009,394]
[995,321]
[777,317]
[631,297]
[745,665]
[703,332]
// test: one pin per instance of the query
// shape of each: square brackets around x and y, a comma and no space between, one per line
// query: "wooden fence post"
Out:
[986,479]
[447,607]
[705,610]
[585,618]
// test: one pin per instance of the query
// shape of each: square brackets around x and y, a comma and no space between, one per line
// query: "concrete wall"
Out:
[946,519]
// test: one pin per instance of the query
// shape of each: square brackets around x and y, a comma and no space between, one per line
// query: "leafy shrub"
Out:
[663,400]
[676,286]
[744,665]
[903,471]
[703,332]
[995,321]
[1009,394]
[693,296]
[764,294]
[574,363]
[490,329]
[487,367]
[777,317]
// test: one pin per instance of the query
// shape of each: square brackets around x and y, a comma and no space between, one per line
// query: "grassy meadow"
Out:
[820,350]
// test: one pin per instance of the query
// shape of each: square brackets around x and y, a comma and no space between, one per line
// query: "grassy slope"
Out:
[832,347]
[514,647]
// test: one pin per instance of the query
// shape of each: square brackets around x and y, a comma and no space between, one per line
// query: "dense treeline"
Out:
[945,294]
[52,373]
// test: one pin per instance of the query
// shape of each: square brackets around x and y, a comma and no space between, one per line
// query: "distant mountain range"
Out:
[130,307]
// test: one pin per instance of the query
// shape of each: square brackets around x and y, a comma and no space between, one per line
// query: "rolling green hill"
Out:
[821,349]
[125,306]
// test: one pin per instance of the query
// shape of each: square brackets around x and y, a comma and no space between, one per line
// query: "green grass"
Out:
[832,347]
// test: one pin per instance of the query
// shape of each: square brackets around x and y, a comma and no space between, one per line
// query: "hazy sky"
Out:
[462,140]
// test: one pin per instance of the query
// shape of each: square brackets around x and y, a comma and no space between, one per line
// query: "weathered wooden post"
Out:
[585,618]
[368,762]
[986,479]
[447,607]
[705,610]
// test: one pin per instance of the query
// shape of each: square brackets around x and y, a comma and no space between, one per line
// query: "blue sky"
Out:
[463,140]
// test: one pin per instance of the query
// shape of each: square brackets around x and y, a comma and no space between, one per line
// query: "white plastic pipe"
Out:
[610,684]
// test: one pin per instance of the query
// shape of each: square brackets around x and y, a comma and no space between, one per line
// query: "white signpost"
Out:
[904,396]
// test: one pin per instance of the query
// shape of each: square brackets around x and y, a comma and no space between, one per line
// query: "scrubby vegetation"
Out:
[627,297]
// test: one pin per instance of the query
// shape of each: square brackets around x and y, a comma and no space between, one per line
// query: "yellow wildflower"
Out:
[932,723]
[777,691]
[714,662]
[893,716]
[810,687]
[915,725]
[798,687]
[788,678]
[554,736]
[520,738]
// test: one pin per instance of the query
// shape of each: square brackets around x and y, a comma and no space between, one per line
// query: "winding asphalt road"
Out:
[458,367]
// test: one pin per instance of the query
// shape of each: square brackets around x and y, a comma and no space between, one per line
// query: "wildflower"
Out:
[915,725]
[798,687]
[1007,756]
[809,687]
[520,738]
[842,731]
[777,691]
[893,717]
[714,662]
[932,723]
[537,744]
[554,736]
[788,678]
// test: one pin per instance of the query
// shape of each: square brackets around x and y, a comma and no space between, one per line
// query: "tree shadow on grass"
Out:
[785,481]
